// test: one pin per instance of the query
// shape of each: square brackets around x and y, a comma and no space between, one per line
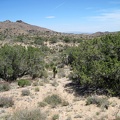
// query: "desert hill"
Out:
[19,27]
[9,29]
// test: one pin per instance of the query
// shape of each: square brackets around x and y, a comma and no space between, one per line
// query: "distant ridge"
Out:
[10,29]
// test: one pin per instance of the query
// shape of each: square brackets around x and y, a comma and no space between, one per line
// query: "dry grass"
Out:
[6,102]
[53,100]
[25,92]
[99,101]
[26,114]
[4,86]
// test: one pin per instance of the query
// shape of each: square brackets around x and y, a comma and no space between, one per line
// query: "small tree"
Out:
[96,63]
[17,61]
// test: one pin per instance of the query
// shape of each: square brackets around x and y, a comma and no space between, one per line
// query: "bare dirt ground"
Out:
[75,110]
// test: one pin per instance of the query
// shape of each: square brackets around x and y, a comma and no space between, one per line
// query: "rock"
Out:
[19,21]
[7,21]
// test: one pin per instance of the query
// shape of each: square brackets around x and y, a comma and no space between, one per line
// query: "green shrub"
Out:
[17,61]
[25,92]
[6,102]
[67,40]
[35,75]
[55,117]
[4,86]
[53,40]
[53,100]
[100,102]
[47,66]
[96,63]
[20,38]
[24,82]
[42,104]
[26,114]
[38,42]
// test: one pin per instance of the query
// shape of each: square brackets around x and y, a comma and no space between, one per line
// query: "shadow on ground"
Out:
[83,90]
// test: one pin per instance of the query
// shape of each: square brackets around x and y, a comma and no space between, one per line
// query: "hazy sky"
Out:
[64,15]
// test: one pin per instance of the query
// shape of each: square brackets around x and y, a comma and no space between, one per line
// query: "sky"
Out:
[84,16]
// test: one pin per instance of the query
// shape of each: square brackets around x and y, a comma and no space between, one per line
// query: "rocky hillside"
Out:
[19,27]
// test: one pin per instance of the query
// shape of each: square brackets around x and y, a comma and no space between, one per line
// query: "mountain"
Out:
[19,27]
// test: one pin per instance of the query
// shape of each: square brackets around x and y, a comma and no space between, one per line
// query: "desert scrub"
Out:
[24,82]
[25,92]
[55,117]
[42,104]
[43,81]
[37,89]
[65,103]
[35,83]
[97,66]
[54,83]
[26,114]
[43,74]
[5,117]
[99,101]
[69,118]
[53,100]
[61,73]
[6,102]
[4,86]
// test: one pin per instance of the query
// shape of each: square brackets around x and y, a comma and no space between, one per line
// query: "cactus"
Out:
[54,71]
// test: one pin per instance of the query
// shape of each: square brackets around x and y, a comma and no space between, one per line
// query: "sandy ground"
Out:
[76,110]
